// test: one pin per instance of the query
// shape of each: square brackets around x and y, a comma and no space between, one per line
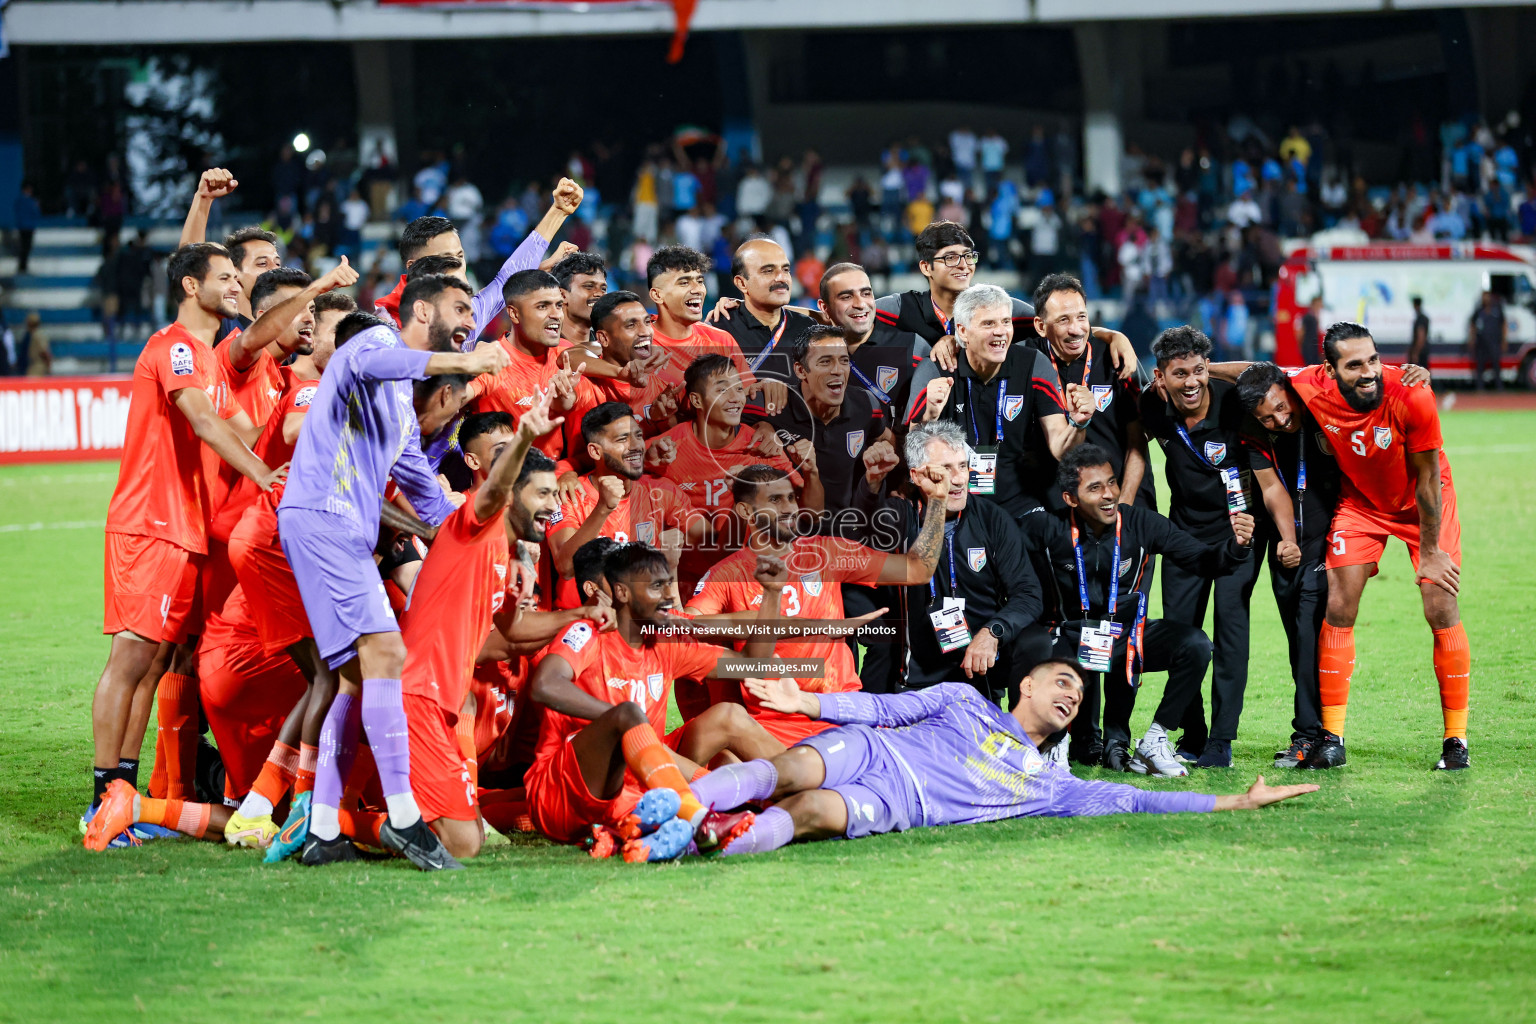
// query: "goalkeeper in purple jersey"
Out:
[940,756]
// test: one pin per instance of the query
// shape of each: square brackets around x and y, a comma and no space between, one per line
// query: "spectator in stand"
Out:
[646,200]
[287,176]
[36,352]
[994,154]
[861,199]
[432,179]
[354,217]
[12,355]
[80,191]
[1044,238]
[463,204]
[27,214]
[892,194]
[111,207]
[962,151]
[1245,211]
[135,266]
[1038,172]
[753,194]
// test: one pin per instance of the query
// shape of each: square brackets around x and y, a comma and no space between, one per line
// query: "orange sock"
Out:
[363,826]
[304,770]
[1335,664]
[176,703]
[156,787]
[277,773]
[464,729]
[653,765]
[1453,667]
[182,815]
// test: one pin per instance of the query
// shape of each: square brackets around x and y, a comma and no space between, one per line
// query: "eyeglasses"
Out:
[954,259]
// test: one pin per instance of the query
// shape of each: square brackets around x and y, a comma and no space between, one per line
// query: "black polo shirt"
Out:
[1116,406]
[915,311]
[887,359]
[1198,502]
[754,336]
[840,444]
[1282,453]
[1025,389]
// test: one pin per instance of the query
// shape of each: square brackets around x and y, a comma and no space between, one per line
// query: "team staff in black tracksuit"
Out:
[1061,321]
[1293,466]
[970,621]
[1093,559]
[1002,394]
[884,356]
[763,323]
[1199,425]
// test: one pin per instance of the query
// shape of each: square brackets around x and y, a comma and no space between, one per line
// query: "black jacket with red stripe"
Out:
[1025,390]
[914,311]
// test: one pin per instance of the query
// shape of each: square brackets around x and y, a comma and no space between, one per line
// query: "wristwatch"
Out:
[996,629]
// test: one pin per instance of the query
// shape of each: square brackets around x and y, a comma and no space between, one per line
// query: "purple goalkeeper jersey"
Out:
[970,761]
[361,431]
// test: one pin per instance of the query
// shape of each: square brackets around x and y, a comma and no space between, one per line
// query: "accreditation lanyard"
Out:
[1082,573]
[970,404]
[1109,629]
[944,321]
[1087,363]
[1301,480]
[1191,446]
[870,385]
[768,349]
[954,584]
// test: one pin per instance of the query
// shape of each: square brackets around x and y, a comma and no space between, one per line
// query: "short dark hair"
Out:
[1344,330]
[272,280]
[604,307]
[533,462]
[1069,471]
[191,261]
[237,240]
[421,231]
[1050,284]
[440,264]
[745,484]
[423,390]
[800,348]
[426,289]
[941,234]
[482,423]
[675,257]
[1255,382]
[334,302]
[833,271]
[626,560]
[1178,342]
[703,368]
[578,263]
[525,282]
[739,265]
[587,562]
[355,323]
[599,419]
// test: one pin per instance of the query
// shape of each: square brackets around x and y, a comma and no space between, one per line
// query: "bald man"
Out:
[763,324]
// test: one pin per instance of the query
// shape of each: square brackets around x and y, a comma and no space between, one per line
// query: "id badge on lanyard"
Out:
[984,456]
[948,618]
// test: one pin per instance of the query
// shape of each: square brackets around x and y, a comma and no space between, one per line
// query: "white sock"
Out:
[403,812]
[255,806]
[1155,733]
[324,822]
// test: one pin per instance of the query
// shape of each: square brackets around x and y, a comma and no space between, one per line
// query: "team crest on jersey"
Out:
[1383,438]
[886,377]
[1215,451]
[812,584]
[577,636]
[1322,443]
[655,684]
[1034,762]
[1103,394]
[976,558]
[1125,566]
[645,532]
[855,443]
[181,359]
[304,397]
[1012,405]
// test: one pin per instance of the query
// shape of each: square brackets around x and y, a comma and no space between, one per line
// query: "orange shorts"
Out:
[150,588]
[561,805]
[270,589]
[247,694]
[440,779]
[1358,535]
[215,581]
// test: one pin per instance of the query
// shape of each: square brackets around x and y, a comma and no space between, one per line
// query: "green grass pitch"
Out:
[1394,894]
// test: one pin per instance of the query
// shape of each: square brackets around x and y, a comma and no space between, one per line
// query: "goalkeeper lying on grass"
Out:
[940,756]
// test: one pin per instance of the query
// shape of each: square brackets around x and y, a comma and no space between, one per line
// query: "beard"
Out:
[620,468]
[1359,402]
[439,335]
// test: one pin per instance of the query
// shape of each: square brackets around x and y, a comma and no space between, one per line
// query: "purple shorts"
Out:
[338,579]
[861,769]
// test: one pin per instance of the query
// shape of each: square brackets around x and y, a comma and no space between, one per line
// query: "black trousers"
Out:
[1185,597]
[23,248]
[880,669]
[1484,360]
[1015,658]
[1301,595]
[1172,647]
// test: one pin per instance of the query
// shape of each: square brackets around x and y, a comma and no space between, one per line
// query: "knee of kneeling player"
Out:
[1195,649]
[460,838]
[629,714]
